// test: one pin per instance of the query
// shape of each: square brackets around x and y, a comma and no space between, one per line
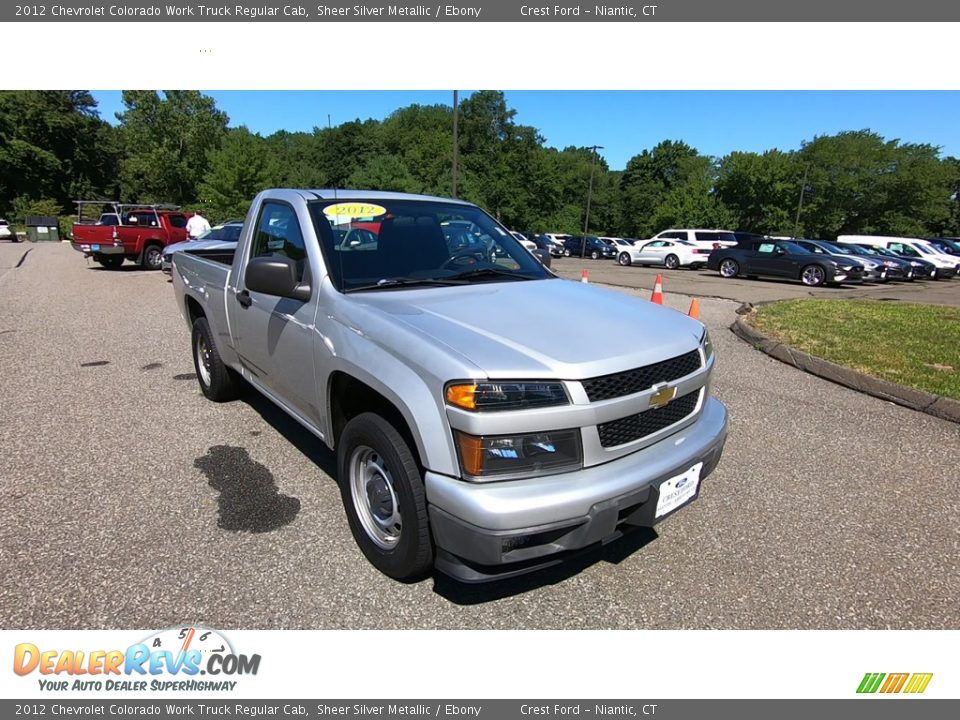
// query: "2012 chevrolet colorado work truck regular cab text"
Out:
[473,431]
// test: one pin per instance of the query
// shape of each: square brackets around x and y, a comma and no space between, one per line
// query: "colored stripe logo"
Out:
[913,683]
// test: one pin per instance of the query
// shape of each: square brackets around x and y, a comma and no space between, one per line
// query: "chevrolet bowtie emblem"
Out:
[662,397]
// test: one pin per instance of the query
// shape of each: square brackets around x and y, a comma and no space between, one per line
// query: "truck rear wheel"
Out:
[384,499]
[217,381]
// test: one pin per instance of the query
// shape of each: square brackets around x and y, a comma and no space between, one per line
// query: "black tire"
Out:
[111,262]
[624,259]
[566,252]
[935,275]
[152,257]
[404,552]
[672,262]
[217,381]
[813,276]
[729,268]
[594,255]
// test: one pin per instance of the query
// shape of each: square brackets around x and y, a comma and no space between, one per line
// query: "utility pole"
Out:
[456,142]
[586,221]
[803,186]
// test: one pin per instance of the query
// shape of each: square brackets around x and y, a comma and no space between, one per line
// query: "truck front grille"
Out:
[634,427]
[639,379]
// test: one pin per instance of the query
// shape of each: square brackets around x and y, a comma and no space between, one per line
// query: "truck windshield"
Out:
[385,243]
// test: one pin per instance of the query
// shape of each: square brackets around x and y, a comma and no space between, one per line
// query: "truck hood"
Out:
[537,329]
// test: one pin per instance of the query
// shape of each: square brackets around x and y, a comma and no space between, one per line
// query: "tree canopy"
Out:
[176,146]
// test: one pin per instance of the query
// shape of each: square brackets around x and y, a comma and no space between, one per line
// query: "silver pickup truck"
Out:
[489,418]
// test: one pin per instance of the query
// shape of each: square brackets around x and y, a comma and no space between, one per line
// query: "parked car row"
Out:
[851,259]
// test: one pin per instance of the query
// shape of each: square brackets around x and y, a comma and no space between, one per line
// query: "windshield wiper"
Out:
[490,272]
[387,283]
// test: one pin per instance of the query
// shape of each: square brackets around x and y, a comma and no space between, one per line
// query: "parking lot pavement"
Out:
[706,283]
[128,500]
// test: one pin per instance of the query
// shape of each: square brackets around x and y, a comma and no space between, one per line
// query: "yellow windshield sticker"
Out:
[354,211]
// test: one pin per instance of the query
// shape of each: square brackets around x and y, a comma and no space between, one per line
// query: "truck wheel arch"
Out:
[349,397]
[194,309]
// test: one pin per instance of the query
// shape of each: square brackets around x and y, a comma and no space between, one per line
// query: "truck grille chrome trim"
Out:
[635,427]
[606,387]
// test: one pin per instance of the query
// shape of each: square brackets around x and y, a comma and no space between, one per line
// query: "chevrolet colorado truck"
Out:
[474,432]
[134,232]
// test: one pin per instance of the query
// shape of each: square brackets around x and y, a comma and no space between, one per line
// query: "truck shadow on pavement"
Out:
[249,500]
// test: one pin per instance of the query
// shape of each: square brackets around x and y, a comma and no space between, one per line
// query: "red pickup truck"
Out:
[140,235]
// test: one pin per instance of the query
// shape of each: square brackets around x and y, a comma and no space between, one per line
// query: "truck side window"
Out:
[278,233]
[177,221]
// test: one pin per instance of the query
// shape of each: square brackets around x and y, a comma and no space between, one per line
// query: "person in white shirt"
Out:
[197,225]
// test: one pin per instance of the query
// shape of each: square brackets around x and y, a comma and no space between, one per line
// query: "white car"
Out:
[6,232]
[947,265]
[672,254]
[522,239]
[617,243]
[704,238]
[558,238]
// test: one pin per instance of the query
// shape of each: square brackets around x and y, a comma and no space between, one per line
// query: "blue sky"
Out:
[627,122]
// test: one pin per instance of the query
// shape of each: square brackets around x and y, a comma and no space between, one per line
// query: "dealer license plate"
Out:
[95,248]
[678,490]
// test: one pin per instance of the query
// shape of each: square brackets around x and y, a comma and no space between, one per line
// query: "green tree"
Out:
[670,185]
[860,183]
[384,172]
[241,168]
[167,144]
[54,145]
[761,190]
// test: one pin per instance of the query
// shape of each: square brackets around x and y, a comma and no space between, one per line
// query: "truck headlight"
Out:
[520,395]
[501,457]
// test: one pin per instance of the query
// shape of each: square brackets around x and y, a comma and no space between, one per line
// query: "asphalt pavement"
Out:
[127,500]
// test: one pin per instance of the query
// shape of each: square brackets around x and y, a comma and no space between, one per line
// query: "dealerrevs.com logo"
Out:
[892,683]
[171,659]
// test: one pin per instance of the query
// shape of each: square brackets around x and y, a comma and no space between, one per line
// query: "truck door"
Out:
[274,335]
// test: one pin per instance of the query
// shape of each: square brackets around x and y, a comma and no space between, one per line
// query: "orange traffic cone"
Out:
[584,276]
[694,310]
[657,296]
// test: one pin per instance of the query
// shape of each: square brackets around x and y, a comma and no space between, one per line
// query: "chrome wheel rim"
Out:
[153,258]
[812,276]
[204,362]
[624,259]
[374,497]
[671,262]
[728,268]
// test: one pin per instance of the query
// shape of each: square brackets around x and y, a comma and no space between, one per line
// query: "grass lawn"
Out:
[913,345]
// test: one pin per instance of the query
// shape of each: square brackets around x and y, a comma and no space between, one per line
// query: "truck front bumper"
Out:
[486,531]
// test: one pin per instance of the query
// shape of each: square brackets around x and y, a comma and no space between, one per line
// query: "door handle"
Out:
[243,297]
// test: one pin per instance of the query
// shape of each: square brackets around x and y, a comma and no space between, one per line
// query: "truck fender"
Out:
[424,414]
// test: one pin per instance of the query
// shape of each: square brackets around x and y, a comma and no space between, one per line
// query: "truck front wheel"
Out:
[216,380]
[384,498]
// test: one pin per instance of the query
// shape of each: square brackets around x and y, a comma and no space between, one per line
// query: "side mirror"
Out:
[780,251]
[275,275]
[543,256]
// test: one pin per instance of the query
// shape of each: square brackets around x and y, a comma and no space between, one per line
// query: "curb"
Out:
[936,405]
